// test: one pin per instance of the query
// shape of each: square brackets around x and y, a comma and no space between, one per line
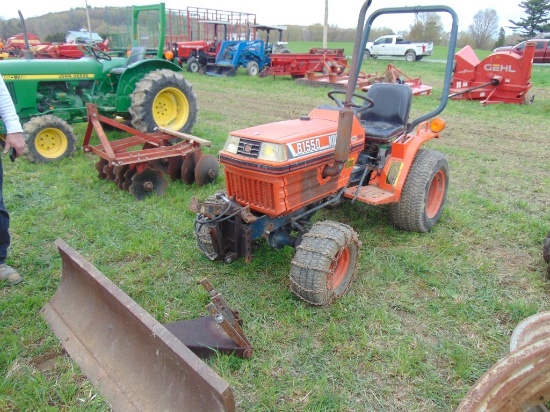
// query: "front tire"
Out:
[48,139]
[367,55]
[252,68]
[163,98]
[424,193]
[193,65]
[325,263]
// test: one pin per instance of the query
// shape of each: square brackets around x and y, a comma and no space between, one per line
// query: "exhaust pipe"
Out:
[27,52]
[343,139]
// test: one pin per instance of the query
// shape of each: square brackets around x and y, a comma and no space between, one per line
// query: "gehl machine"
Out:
[50,95]
[279,175]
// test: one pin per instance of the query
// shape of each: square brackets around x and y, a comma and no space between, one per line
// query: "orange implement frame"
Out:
[154,145]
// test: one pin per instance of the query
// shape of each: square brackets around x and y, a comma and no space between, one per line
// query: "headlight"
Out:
[272,152]
[231,144]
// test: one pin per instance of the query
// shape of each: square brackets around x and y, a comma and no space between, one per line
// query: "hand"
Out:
[17,141]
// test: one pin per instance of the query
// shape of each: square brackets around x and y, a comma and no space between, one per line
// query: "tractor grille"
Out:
[393,173]
[249,148]
[251,191]
[11,89]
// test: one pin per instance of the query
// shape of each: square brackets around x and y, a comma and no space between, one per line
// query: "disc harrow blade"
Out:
[128,174]
[100,164]
[188,170]
[119,175]
[147,182]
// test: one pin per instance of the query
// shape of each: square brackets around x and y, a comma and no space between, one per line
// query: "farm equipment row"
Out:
[140,162]
[265,58]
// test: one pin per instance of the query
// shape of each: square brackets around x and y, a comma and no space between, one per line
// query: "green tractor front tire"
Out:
[163,98]
[48,139]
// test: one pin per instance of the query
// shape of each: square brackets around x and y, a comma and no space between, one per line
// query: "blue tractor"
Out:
[234,54]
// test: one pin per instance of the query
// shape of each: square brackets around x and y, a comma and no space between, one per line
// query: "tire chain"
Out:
[330,273]
[203,237]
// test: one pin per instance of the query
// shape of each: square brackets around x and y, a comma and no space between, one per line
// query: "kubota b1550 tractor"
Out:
[278,175]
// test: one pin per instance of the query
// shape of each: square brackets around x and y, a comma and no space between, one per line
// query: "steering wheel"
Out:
[360,108]
[98,53]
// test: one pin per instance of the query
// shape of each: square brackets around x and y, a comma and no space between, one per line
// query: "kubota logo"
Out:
[499,68]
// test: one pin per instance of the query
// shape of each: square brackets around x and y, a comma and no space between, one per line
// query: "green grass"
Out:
[425,317]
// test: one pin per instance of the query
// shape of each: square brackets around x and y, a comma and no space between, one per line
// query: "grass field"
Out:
[424,319]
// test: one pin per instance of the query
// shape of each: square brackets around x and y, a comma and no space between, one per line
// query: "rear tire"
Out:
[48,139]
[163,98]
[252,68]
[424,193]
[410,56]
[325,263]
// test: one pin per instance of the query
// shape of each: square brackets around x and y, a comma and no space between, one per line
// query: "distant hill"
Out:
[54,26]
[115,21]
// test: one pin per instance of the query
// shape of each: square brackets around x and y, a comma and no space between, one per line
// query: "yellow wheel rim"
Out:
[51,143]
[171,108]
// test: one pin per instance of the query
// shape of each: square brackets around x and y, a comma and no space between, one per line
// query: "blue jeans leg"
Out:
[4,222]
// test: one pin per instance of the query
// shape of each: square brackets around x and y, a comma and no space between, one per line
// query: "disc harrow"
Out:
[141,163]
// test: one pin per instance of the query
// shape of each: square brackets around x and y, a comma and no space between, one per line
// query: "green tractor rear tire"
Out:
[48,139]
[163,98]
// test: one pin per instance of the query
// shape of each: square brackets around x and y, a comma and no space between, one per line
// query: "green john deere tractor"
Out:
[51,94]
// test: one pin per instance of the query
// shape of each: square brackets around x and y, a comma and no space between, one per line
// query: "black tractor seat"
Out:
[136,54]
[388,117]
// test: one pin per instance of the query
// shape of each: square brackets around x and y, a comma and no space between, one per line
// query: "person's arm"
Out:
[14,131]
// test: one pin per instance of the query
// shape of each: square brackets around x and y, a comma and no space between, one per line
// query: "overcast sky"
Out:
[342,13]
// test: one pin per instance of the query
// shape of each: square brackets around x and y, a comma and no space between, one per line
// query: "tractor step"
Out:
[372,195]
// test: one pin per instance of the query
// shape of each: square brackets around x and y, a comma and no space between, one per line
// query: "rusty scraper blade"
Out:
[134,361]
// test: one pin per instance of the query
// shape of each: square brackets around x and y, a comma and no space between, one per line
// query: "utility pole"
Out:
[89,24]
[325,28]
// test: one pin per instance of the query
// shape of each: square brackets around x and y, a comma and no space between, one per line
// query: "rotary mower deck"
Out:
[139,163]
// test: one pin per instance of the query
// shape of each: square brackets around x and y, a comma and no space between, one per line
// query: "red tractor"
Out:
[279,175]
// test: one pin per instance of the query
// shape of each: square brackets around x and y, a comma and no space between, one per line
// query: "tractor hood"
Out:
[21,69]
[318,123]
[310,138]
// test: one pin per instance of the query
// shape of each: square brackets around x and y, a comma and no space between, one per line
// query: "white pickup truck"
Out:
[395,45]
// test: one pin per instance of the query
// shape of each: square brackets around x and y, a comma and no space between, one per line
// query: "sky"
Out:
[342,13]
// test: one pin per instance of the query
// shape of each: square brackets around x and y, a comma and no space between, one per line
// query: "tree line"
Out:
[483,33]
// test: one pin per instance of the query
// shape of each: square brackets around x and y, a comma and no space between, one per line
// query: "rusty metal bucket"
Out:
[521,380]
[134,361]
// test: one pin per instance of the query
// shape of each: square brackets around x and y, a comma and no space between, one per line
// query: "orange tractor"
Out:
[363,149]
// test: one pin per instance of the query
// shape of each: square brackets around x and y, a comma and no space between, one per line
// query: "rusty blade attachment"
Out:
[521,380]
[221,332]
[134,361]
